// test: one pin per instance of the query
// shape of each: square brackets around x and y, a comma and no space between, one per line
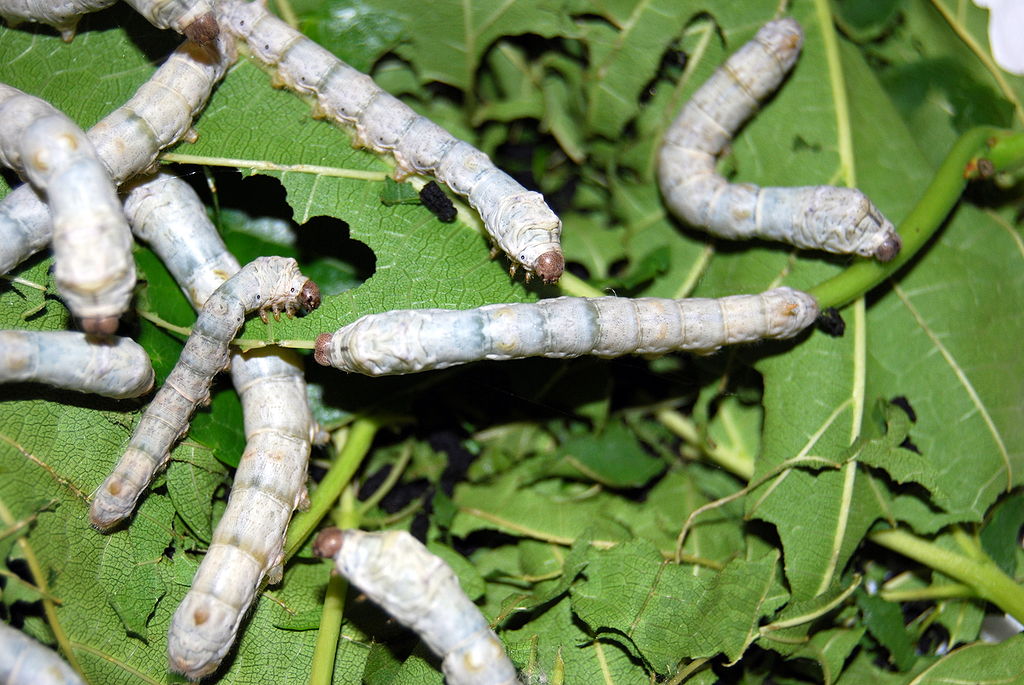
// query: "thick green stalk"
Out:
[927,216]
[322,671]
[357,445]
[982,574]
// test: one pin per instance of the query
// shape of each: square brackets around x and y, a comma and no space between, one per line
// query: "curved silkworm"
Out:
[117,368]
[841,220]
[63,15]
[23,661]
[92,245]
[418,589]
[127,141]
[410,341]
[265,284]
[519,221]
[270,481]
[194,18]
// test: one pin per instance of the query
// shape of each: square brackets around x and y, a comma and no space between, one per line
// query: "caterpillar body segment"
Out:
[127,140]
[63,15]
[95,271]
[247,546]
[117,368]
[23,661]
[410,341]
[265,284]
[193,18]
[166,213]
[270,481]
[519,221]
[840,220]
[422,592]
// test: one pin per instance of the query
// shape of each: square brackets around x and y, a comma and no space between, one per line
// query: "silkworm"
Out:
[194,18]
[127,141]
[63,15]
[519,221]
[410,341]
[434,199]
[23,661]
[841,220]
[92,245]
[270,481]
[117,368]
[265,284]
[422,592]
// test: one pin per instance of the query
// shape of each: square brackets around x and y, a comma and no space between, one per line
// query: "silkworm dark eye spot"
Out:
[328,543]
[200,616]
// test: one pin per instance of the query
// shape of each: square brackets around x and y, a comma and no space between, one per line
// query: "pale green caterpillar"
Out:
[410,341]
[518,220]
[421,592]
[92,244]
[841,220]
[270,481]
[265,284]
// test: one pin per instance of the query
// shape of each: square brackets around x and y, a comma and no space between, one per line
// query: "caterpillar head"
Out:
[328,543]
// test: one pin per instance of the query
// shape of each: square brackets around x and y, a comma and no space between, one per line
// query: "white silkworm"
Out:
[194,18]
[92,245]
[117,368]
[63,15]
[127,141]
[422,592]
[519,221]
[841,220]
[270,481]
[265,284]
[409,341]
[23,661]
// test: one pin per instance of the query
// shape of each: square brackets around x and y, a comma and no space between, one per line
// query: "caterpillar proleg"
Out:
[127,141]
[409,341]
[92,245]
[117,368]
[23,661]
[270,481]
[422,592]
[265,284]
[63,15]
[841,220]
[519,221]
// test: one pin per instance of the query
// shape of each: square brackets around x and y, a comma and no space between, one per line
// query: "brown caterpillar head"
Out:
[203,30]
[99,326]
[328,543]
[550,266]
[321,355]
[889,248]
[309,298]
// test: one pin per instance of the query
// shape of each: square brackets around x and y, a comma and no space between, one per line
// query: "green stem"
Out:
[1004,152]
[927,216]
[983,575]
[322,671]
[930,593]
[357,445]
